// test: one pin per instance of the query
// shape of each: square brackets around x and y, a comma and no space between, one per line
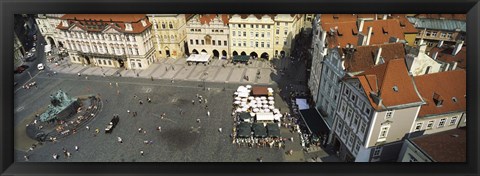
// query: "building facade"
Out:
[377,108]
[103,40]
[263,35]
[419,63]
[47,25]
[434,29]
[208,33]
[18,51]
[170,34]
[318,53]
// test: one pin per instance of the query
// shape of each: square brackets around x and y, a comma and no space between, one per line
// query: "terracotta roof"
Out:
[447,146]
[462,17]
[382,79]
[445,55]
[395,26]
[207,18]
[99,22]
[447,85]
[363,57]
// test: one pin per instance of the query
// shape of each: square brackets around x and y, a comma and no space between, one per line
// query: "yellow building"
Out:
[170,34]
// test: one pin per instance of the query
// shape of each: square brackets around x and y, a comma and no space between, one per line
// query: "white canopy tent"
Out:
[48,48]
[302,103]
[202,57]
[266,116]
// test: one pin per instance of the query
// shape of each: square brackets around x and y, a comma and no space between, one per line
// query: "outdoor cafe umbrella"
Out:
[267,110]
[261,111]
[271,102]
[276,111]
[244,130]
[273,130]
[271,107]
[270,89]
[238,110]
[254,105]
[264,101]
[236,102]
[252,114]
[238,98]
[256,109]
[265,106]
[259,130]
[244,99]
[248,86]
[236,93]
[251,98]
[263,98]
[270,98]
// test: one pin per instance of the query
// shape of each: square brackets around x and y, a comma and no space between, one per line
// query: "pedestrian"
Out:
[159,129]
[79,74]
[208,113]
[206,101]
[69,154]
[220,130]
[149,100]
[116,84]
[197,95]
[138,75]
[86,77]
[198,120]
[76,148]
[141,152]
[193,102]
[139,130]
[104,75]
[199,100]
[260,159]
[119,139]
[151,77]
[26,157]
[206,106]
[55,156]
[128,111]
[110,84]
[140,102]
[97,131]
[118,92]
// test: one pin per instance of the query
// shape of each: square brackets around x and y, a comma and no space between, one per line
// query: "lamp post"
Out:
[29,74]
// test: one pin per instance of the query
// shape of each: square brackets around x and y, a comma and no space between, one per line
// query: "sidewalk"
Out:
[178,69]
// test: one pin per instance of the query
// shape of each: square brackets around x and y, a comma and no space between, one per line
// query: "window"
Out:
[339,126]
[244,34]
[225,43]
[383,132]
[357,147]
[418,127]
[268,26]
[351,139]
[449,35]
[442,122]
[353,97]
[278,31]
[345,132]
[430,124]
[239,33]
[233,33]
[349,115]
[263,44]
[244,43]
[191,42]
[213,42]
[389,114]
[256,44]
[286,32]
[268,34]
[453,121]
[355,121]
[377,151]
[347,91]
[443,35]
[286,24]
[367,110]
[363,127]
[203,42]
[251,43]
[268,44]
[434,34]
[263,26]
[196,42]
[412,158]
[109,62]
[428,33]
[256,34]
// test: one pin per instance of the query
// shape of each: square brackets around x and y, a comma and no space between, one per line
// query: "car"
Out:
[33,49]
[20,69]
[40,66]
[112,124]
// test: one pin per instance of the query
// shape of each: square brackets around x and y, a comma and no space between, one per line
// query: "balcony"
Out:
[106,55]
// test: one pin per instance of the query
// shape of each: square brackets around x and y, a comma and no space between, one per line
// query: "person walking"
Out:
[116,84]
[208,113]
[97,131]
[87,127]
[26,158]
[119,139]
[76,148]
[159,129]
[55,156]
[220,130]
[149,100]
[79,74]
[193,102]
[141,152]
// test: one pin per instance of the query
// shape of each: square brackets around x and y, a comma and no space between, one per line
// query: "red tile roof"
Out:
[447,85]
[99,22]
[394,26]
[259,16]
[447,146]
[364,56]
[445,55]
[207,18]
[382,79]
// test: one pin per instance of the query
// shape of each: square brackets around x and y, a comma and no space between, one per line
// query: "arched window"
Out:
[170,25]
[163,25]
[428,69]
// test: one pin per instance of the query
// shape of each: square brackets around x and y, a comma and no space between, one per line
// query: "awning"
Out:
[273,130]
[244,116]
[259,130]
[244,130]
[241,58]
[265,116]
[314,122]
[259,91]
[202,57]
[48,48]
[302,103]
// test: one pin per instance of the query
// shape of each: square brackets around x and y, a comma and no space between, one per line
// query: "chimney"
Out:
[446,67]
[434,57]
[369,35]
[458,47]
[378,55]
[360,25]
[454,65]
[361,39]
[440,43]
[324,35]
[376,17]
[423,48]
[385,16]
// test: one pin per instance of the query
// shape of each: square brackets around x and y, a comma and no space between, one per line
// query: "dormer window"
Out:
[64,23]
[437,99]
[395,88]
[128,27]
[144,23]
[454,99]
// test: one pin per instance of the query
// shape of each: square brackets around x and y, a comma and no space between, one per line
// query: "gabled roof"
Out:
[98,22]
[363,57]
[448,85]
[207,18]
[383,79]
[258,16]
[445,55]
[443,16]
[447,146]
[438,24]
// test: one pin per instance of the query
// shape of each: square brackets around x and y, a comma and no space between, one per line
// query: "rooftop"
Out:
[207,18]
[447,146]
[363,57]
[453,95]
[390,83]
[445,55]
[100,22]
[443,16]
[438,24]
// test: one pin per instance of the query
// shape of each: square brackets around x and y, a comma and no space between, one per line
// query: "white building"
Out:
[208,33]
[170,34]
[108,40]
[263,35]
[419,63]
[47,25]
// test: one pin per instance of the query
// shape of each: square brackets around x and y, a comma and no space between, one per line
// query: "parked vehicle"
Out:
[40,66]
[21,68]
[112,124]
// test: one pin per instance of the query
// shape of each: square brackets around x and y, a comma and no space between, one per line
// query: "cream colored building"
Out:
[47,25]
[263,35]
[170,34]
[108,40]
[208,33]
